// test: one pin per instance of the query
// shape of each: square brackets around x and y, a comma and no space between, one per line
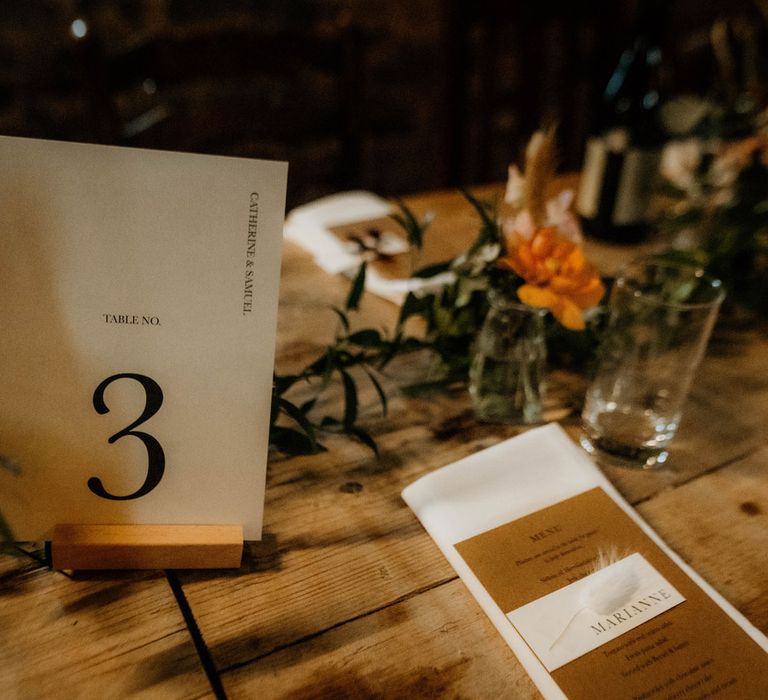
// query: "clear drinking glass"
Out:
[661,316]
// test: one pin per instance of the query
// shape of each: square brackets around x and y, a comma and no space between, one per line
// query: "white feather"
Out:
[607,591]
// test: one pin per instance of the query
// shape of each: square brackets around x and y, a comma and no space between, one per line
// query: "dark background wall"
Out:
[389,95]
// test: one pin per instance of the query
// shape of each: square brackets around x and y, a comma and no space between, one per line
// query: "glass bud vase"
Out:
[506,375]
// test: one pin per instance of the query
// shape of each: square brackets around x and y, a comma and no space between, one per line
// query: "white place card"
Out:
[594,610]
[138,310]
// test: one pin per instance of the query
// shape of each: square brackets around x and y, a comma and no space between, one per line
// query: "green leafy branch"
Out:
[454,312]
[450,315]
[732,242]
[414,229]
[367,350]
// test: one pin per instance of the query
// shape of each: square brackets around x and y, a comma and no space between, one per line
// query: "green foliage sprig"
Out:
[719,218]
[450,313]
[454,312]
[733,244]
[414,229]
[348,350]
[368,350]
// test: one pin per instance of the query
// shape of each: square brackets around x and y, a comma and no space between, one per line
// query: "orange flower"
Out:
[556,273]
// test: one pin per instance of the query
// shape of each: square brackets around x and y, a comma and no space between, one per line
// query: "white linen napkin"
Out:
[517,477]
[309,226]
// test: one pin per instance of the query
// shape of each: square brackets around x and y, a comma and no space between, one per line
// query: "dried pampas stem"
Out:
[611,591]
[607,593]
[540,167]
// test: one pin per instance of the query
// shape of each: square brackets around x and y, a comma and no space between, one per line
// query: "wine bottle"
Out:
[621,161]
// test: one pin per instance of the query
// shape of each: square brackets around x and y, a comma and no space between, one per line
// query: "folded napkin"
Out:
[310,226]
[334,230]
[504,483]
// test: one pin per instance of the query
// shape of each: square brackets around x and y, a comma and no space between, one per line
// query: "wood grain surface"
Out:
[346,596]
[111,636]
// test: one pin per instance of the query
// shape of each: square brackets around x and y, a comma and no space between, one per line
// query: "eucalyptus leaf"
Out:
[284,382]
[300,417]
[307,406]
[368,337]
[432,270]
[365,438]
[414,228]
[350,400]
[482,208]
[413,306]
[292,442]
[342,317]
[400,219]
[356,292]
[379,390]
[489,231]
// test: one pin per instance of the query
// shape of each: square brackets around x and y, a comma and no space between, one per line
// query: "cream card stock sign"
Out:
[584,615]
[137,309]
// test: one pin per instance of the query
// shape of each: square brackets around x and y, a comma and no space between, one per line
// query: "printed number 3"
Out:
[155,454]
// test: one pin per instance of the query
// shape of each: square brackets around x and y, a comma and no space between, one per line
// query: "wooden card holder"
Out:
[88,547]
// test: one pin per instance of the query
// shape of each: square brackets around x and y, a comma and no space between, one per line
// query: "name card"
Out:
[138,309]
[593,611]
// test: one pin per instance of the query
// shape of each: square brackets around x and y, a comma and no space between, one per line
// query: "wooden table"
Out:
[346,596]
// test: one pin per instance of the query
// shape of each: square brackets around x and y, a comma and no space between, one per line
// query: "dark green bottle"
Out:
[621,161]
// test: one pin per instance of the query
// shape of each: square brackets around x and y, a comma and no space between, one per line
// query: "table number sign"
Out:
[138,303]
[588,597]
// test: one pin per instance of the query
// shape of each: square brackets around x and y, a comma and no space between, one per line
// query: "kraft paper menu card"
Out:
[138,309]
[588,597]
